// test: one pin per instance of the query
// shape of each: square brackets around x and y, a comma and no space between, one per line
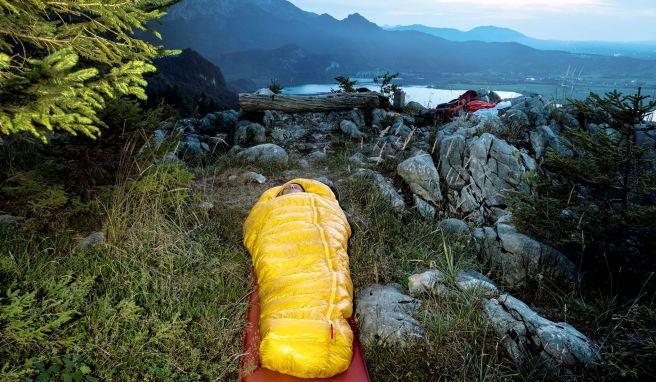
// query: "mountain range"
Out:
[261,40]
[638,49]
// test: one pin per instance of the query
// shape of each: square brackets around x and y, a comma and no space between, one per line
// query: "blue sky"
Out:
[608,20]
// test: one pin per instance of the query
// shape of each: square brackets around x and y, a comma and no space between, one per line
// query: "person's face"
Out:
[294,187]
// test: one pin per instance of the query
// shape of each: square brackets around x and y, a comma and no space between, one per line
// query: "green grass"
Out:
[163,299]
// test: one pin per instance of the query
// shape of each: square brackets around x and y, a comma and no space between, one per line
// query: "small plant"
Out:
[275,86]
[387,88]
[346,84]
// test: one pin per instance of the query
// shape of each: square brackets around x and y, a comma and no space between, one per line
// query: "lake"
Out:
[424,95]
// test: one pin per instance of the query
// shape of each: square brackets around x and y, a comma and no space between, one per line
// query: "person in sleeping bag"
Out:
[297,236]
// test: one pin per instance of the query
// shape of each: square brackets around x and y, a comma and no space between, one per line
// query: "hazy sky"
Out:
[609,20]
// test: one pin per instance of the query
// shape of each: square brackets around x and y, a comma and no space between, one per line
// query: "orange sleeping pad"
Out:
[252,371]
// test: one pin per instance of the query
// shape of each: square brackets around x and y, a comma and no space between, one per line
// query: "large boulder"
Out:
[191,144]
[523,332]
[454,228]
[420,174]
[383,186]
[351,129]
[267,154]
[479,175]
[249,133]
[223,122]
[517,258]
[558,347]
[383,317]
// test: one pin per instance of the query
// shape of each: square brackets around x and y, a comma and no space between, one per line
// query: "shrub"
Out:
[275,86]
[346,84]
[598,202]
[387,88]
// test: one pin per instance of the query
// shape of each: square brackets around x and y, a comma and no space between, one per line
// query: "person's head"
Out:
[291,188]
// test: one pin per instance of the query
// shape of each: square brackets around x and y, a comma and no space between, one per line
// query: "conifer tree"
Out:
[598,198]
[60,61]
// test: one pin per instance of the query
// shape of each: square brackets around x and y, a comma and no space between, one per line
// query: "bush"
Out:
[346,84]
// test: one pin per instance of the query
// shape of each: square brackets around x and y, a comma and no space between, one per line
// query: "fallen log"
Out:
[299,104]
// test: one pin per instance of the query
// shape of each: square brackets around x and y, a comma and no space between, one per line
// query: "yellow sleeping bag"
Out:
[298,243]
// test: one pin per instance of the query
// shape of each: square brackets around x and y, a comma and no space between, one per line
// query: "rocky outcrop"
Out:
[478,172]
[524,333]
[517,258]
[557,346]
[383,316]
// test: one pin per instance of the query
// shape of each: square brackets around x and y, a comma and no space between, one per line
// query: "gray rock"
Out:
[234,150]
[375,160]
[383,186]
[358,159]
[557,346]
[159,136]
[378,116]
[399,128]
[516,121]
[185,126]
[451,159]
[223,122]
[415,108]
[494,168]
[8,219]
[351,129]
[533,106]
[253,177]
[266,154]
[382,314]
[303,163]
[93,240]
[454,228]
[425,209]
[206,205]
[249,133]
[289,135]
[358,118]
[318,155]
[169,157]
[544,137]
[192,144]
[517,258]
[422,177]
[429,282]
[469,280]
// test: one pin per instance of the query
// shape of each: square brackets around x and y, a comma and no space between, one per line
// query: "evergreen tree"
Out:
[60,61]
[597,199]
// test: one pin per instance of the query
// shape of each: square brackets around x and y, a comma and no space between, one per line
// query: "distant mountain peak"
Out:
[358,20]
